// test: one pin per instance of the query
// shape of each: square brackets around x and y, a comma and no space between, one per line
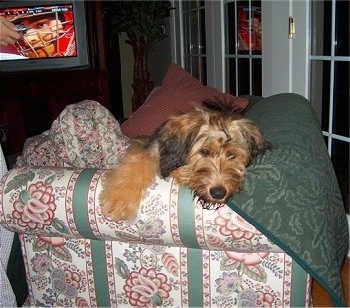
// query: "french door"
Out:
[269,47]
[329,86]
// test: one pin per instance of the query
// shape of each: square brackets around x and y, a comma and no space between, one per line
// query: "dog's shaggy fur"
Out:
[206,150]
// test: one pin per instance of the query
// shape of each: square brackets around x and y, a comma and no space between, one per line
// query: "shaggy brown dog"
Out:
[207,150]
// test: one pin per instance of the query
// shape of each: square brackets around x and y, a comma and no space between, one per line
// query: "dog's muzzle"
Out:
[218,192]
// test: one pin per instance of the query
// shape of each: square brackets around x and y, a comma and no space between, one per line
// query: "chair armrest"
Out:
[63,202]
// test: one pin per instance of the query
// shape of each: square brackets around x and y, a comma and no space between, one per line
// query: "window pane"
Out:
[231,27]
[202,43]
[243,22]
[194,32]
[249,26]
[195,67]
[316,87]
[325,90]
[239,82]
[320,89]
[244,43]
[203,77]
[231,76]
[256,77]
[342,29]
[243,76]
[340,159]
[188,5]
[321,27]
[341,98]
[194,39]
[187,36]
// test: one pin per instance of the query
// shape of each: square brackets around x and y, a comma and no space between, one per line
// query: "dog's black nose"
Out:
[218,192]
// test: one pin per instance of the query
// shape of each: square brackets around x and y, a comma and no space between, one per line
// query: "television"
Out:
[54,35]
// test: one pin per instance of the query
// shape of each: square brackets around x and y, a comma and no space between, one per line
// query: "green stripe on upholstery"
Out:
[186,218]
[301,264]
[299,280]
[100,273]
[195,277]
[80,195]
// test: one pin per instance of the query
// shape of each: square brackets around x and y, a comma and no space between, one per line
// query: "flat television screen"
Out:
[55,35]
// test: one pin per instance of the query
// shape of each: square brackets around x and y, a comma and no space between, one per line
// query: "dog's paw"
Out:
[118,211]
[125,186]
[118,201]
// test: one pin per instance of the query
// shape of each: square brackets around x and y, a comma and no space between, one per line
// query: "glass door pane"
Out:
[194,39]
[244,47]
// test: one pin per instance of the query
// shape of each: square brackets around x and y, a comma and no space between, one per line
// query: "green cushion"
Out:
[291,193]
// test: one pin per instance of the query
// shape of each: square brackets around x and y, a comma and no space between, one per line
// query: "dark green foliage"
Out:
[142,22]
[139,19]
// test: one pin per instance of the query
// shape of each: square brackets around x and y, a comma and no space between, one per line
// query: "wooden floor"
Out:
[320,297]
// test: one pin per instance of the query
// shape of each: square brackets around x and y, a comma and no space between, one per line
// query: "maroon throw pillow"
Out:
[179,93]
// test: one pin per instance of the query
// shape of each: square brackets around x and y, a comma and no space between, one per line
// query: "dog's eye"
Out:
[205,152]
[232,156]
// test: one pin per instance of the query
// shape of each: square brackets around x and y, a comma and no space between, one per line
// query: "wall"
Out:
[126,69]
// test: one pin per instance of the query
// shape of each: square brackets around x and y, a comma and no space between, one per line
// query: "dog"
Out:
[207,150]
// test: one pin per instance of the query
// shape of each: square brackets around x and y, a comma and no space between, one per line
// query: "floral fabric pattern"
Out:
[173,253]
[35,206]
[39,151]
[145,262]
[84,134]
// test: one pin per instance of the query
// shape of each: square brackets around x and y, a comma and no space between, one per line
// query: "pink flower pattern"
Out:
[72,278]
[35,207]
[247,258]
[52,241]
[264,299]
[232,224]
[252,298]
[147,288]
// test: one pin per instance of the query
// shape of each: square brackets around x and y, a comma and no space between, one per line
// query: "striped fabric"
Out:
[173,254]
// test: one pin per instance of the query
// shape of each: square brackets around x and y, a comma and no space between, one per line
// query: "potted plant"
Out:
[141,21]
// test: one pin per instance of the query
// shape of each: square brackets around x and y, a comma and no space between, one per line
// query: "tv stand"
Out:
[31,101]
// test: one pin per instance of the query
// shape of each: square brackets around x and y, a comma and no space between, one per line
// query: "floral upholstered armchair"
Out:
[173,254]
[258,250]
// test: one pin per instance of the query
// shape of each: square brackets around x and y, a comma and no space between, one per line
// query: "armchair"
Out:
[262,248]
[173,254]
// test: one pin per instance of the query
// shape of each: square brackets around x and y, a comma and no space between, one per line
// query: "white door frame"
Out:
[285,63]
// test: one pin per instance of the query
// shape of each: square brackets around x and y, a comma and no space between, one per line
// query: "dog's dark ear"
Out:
[224,107]
[254,137]
[173,151]
[174,144]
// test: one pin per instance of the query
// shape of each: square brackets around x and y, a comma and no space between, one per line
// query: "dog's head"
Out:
[208,150]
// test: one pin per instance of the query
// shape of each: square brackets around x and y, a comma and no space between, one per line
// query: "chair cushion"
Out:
[179,93]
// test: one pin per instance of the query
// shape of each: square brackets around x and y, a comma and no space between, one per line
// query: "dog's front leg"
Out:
[125,186]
